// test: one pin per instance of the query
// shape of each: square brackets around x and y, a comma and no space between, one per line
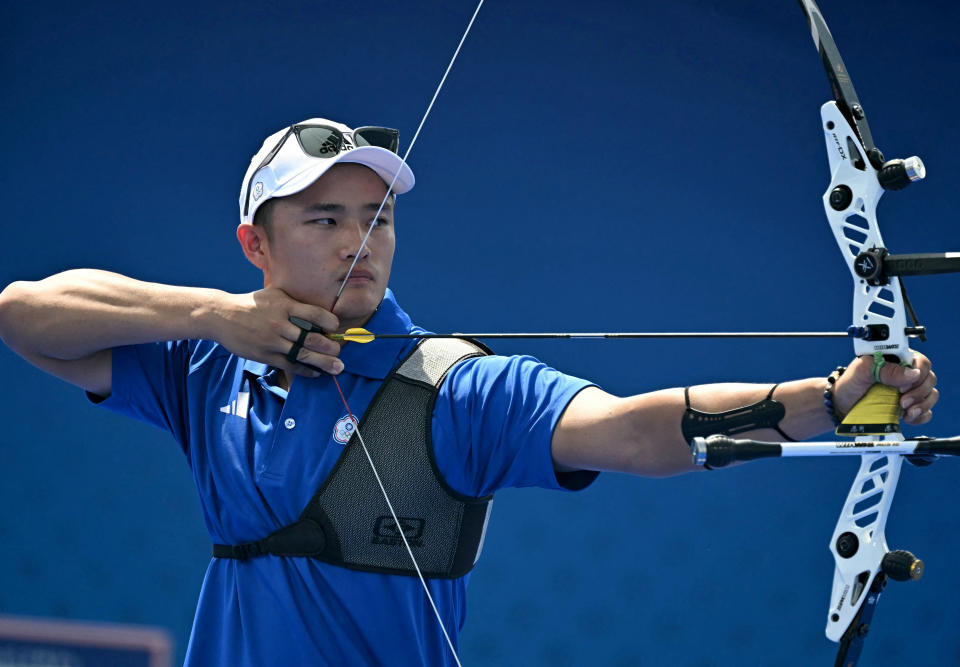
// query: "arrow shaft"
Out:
[682,334]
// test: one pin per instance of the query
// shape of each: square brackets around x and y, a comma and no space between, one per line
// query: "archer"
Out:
[312,563]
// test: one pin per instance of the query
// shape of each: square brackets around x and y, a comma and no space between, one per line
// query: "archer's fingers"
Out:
[299,369]
[925,377]
[861,369]
[922,362]
[315,342]
[920,418]
[904,378]
[311,364]
[320,319]
[920,400]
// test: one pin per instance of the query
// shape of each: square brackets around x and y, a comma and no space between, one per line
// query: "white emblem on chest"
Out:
[344,429]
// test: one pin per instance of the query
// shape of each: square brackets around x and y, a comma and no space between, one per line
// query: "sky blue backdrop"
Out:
[599,166]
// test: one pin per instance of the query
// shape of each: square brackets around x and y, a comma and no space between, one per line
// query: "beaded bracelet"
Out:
[828,394]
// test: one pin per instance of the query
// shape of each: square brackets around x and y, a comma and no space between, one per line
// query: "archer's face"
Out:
[315,237]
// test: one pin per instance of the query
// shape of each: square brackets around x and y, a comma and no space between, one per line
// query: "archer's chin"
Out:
[358,303]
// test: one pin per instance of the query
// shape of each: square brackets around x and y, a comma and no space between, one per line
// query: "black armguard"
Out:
[765,414]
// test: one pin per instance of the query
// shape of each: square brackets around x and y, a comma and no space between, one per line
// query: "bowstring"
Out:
[403,160]
[356,257]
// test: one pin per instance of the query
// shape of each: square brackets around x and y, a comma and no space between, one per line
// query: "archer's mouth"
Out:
[359,277]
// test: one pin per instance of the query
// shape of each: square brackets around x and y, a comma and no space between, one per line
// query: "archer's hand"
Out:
[257,326]
[917,386]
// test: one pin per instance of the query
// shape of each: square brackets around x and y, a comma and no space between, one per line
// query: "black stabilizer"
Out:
[921,264]
[893,176]
[901,565]
[937,446]
[718,451]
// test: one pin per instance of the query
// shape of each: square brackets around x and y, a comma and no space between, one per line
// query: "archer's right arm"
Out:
[67,324]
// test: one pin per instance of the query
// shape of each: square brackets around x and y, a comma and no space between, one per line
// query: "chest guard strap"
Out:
[347,522]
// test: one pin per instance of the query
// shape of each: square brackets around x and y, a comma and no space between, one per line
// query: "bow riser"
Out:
[855,230]
[850,203]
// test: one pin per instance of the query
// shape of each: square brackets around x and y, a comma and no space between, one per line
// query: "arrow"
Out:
[358,335]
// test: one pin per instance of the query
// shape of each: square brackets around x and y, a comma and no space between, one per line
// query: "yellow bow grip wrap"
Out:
[878,412]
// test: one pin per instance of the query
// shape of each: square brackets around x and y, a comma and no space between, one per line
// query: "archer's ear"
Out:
[256,247]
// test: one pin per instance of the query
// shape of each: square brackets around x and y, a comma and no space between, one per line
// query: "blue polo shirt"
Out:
[258,454]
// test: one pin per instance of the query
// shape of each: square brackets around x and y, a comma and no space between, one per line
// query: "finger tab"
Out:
[304,325]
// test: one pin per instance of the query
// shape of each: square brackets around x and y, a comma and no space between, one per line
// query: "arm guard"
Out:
[764,414]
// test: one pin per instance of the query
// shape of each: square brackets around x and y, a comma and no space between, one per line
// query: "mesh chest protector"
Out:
[347,521]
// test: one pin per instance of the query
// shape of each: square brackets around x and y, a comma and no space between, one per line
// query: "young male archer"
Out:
[310,565]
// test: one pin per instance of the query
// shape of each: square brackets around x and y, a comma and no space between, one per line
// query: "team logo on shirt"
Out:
[344,429]
[386,531]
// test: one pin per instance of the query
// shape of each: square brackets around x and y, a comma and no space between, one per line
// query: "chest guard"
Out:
[347,521]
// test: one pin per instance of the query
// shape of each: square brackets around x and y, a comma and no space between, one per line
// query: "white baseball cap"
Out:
[292,159]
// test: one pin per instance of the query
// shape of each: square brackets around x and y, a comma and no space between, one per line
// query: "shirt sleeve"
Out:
[148,383]
[493,423]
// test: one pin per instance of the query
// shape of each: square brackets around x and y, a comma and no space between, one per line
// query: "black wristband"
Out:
[828,395]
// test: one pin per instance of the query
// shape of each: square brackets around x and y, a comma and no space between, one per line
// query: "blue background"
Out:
[588,167]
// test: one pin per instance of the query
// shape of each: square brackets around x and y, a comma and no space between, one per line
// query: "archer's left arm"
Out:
[642,435]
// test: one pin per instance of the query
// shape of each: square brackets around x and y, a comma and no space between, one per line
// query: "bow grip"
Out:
[878,411]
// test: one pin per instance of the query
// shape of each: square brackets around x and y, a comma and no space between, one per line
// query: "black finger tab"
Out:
[295,350]
[309,327]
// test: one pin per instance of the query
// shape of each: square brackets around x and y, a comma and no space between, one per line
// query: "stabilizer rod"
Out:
[717,451]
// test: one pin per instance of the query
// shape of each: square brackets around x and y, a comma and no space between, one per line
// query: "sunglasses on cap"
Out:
[324,141]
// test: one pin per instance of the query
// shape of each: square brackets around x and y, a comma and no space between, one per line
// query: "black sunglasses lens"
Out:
[382,137]
[320,141]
